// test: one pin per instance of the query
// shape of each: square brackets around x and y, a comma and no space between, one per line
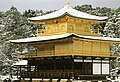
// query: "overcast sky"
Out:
[23,5]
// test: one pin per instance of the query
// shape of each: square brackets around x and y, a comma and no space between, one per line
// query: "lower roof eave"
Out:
[63,36]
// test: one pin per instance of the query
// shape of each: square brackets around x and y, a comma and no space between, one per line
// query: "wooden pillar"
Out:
[35,68]
[30,79]
[36,51]
[101,65]
[42,80]
[109,66]
[83,66]
[73,68]
[29,68]
[58,80]
[50,80]
[92,66]
[64,66]
[54,65]
[20,73]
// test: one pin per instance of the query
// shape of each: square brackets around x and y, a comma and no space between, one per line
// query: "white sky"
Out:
[23,5]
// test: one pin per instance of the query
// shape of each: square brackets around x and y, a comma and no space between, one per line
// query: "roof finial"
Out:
[68,2]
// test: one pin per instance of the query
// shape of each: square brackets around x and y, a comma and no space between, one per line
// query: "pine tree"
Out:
[16,26]
[112,29]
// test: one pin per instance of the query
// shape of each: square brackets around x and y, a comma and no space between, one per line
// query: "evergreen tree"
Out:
[29,13]
[83,8]
[16,26]
[32,13]
[112,29]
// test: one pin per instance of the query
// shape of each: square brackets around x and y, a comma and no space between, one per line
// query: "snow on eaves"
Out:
[70,11]
[40,38]
[62,36]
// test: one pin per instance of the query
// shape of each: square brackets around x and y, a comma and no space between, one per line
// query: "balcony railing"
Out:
[67,53]
[47,74]
[61,74]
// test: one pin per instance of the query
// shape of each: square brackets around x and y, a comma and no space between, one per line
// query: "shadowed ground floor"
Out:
[65,69]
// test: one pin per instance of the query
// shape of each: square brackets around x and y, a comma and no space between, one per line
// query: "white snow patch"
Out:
[22,62]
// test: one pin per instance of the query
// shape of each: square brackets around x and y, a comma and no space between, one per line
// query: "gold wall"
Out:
[72,47]
[58,48]
[67,24]
[91,48]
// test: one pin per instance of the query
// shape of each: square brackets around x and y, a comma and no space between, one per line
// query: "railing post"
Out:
[58,80]
[72,67]
[30,79]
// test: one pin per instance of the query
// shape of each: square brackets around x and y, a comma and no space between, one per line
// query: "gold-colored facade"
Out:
[70,46]
[70,57]
[67,24]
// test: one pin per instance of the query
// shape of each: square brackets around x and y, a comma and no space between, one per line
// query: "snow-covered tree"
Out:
[32,13]
[83,8]
[112,29]
[16,26]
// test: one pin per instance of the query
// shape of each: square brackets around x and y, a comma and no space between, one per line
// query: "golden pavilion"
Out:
[66,49]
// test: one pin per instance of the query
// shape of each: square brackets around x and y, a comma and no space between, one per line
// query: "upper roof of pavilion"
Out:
[68,10]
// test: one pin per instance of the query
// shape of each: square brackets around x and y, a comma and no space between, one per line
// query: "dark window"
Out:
[83,68]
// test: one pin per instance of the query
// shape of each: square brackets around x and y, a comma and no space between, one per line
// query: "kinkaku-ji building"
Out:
[66,49]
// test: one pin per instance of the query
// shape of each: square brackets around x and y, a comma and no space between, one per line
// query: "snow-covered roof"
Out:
[22,62]
[62,36]
[2,78]
[70,11]
[40,38]
[15,78]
